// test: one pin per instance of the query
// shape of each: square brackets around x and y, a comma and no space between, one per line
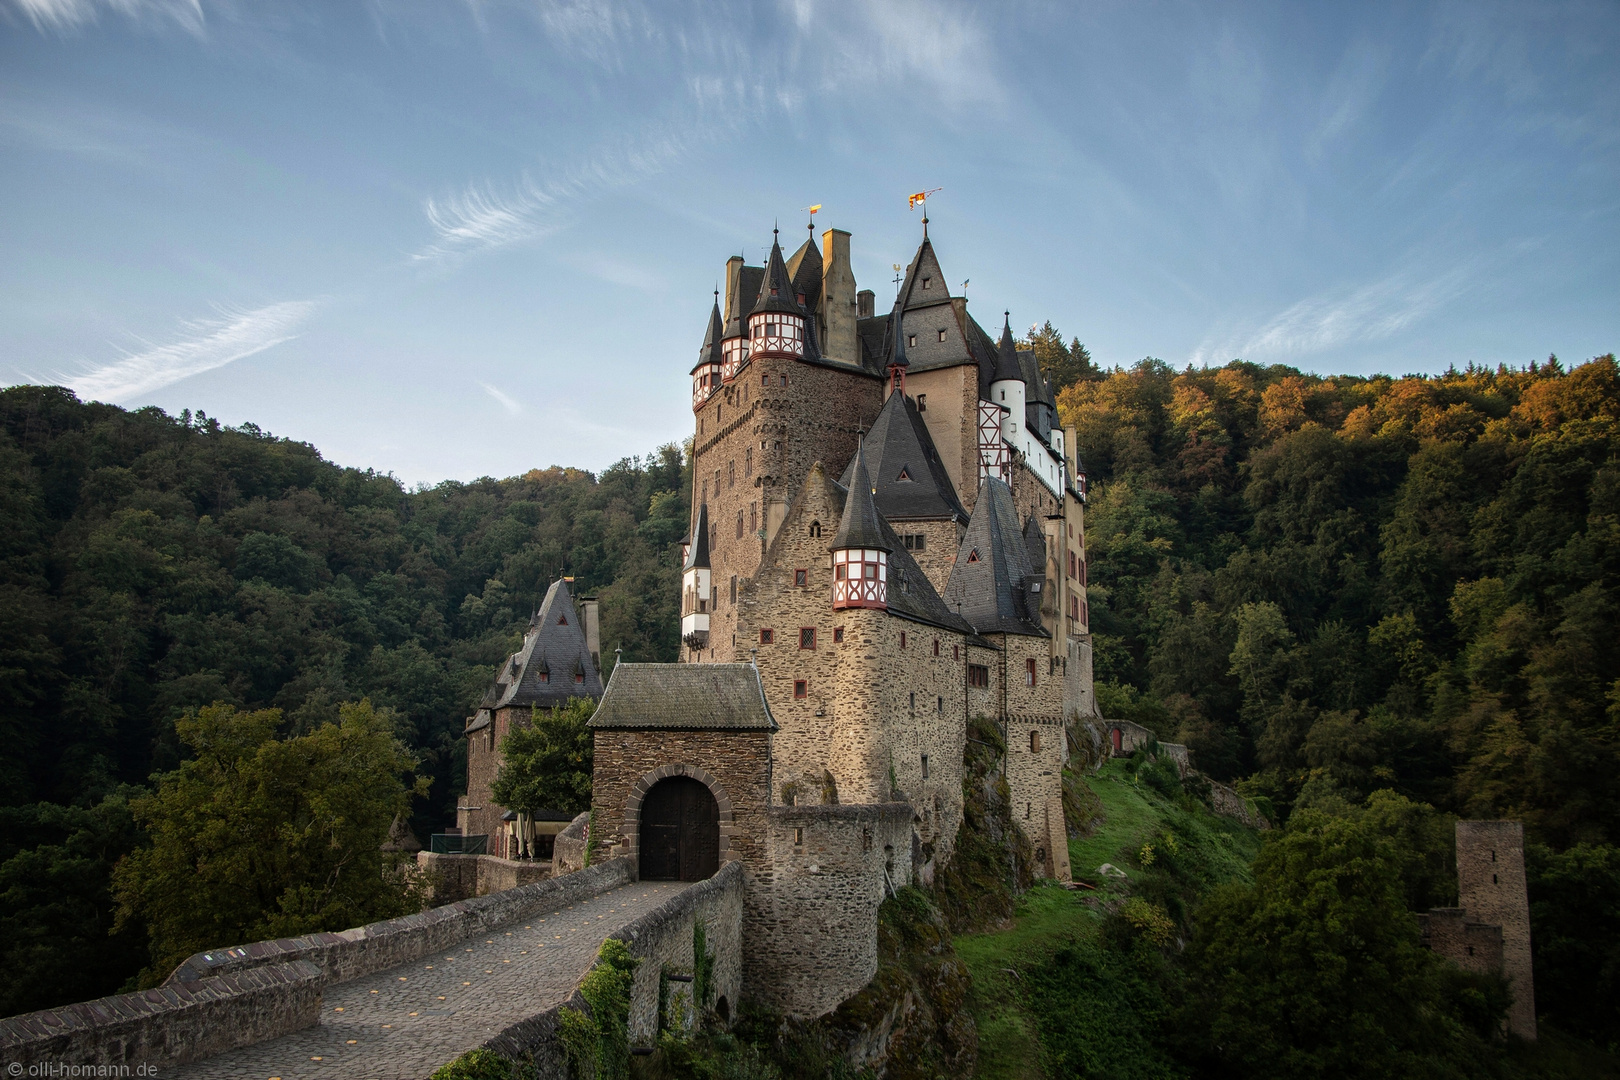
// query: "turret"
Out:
[897,350]
[776,325]
[860,553]
[696,585]
[706,372]
[1007,389]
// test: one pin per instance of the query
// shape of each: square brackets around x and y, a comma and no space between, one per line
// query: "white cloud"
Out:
[1341,317]
[66,16]
[509,403]
[210,343]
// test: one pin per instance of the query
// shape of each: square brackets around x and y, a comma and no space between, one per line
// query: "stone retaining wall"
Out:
[461,877]
[568,850]
[226,998]
[1228,803]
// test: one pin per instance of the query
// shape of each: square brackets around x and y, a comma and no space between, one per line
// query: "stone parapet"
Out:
[460,877]
[568,850]
[172,1024]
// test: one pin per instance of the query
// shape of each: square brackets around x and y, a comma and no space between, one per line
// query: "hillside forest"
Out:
[1327,587]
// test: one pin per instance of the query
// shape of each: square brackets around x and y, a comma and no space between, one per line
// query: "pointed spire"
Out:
[709,352]
[1007,367]
[697,552]
[776,290]
[859,527]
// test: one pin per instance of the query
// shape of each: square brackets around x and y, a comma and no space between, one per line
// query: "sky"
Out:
[451,239]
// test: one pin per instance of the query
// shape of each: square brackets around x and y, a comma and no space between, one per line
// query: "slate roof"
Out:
[776,287]
[737,304]
[905,467]
[697,548]
[805,268]
[1007,366]
[990,582]
[709,351]
[554,644]
[684,697]
[859,527]
[897,339]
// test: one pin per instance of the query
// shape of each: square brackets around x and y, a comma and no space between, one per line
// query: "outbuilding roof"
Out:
[684,697]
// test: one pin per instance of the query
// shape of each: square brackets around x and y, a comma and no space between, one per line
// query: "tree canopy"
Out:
[546,762]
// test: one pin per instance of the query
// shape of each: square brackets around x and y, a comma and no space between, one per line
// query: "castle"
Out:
[888,539]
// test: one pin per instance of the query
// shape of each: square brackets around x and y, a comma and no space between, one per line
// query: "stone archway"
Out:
[680,831]
[638,801]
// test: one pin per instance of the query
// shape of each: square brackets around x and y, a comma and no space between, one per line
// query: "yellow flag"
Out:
[912,201]
[814,208]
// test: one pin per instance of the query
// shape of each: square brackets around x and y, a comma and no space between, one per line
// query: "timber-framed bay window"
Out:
[776,332]
[860,578]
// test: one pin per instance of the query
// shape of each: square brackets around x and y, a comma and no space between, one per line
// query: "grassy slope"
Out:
[1050,916]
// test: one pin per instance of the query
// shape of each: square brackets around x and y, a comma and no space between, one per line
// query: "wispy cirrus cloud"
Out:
[1335,318]
[512,406]
[67,16]
[208,344]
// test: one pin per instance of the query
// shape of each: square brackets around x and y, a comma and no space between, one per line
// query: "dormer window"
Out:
[911,339]
[773,290]
[942,335]
[973,556]
[926,282]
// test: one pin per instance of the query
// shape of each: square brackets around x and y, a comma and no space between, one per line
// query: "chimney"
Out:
[838,298]
[593,632]
[864,302]
[734,267]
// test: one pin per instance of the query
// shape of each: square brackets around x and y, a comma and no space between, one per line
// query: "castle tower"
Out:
[1007,388]
[1491,888]
[706,373]
[860,553]
[697,585]
[777,325]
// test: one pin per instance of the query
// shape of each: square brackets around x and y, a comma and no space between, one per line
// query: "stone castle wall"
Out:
[1470,944]
[950,411]
[811,926]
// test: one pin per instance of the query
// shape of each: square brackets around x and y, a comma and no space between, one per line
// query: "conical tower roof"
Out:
[860,527]
[990,579]
[709,351]
[697,552]
[1007,365]
[776,290]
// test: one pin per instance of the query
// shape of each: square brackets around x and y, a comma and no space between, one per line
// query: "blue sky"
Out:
[458,239]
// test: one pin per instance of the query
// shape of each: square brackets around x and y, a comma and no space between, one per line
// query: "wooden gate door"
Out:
[680,831]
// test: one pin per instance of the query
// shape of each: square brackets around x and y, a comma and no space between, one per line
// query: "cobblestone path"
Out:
[403,1023]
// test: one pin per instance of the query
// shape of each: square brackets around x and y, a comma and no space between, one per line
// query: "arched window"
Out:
[815,528]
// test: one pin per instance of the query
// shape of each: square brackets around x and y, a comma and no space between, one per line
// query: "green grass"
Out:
[1051,921]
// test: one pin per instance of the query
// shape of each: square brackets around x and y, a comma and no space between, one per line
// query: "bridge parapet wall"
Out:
[228,998]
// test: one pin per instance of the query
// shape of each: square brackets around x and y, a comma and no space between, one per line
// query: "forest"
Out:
[155,565]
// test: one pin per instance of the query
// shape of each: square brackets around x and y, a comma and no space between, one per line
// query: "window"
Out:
[914,699]
[911,339]
[807,637]
[1082,571]
[1034,742]
[801,688]
[1029,672]
[705,498]
[784,380]
[815,529]
[940,706]
[902,639]
[545,676]
[936,646]
[922,402]
[798,836]
[579,676]
[838,635]
[942,335]
[904,477]
[753,517]
[801,578]
[926,281]
[717,414]
[748,462]
[925,766]
[739,525]
[733,588]
[767,636]
[731,474]
[973,556]
[978,675]
[764,379]
[956,652]
[1074,567]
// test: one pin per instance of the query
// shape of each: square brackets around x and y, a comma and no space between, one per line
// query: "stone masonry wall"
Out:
[755,444]
[227,998]
[1471,945]
[1491,888]
[735,764]
[811,926]
[950,411]
[938,555]
[458,877]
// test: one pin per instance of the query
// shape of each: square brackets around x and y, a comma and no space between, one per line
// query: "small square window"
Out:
[801,688]
[807,637]
[767,637]
[801,578]
[838,635]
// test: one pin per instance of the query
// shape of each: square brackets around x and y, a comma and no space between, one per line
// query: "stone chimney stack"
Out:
[838,298]
[865,303]
[734,267]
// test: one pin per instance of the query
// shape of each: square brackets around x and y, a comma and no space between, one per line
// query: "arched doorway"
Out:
[680,831]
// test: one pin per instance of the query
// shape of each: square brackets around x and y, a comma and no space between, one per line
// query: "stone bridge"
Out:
[398,999]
